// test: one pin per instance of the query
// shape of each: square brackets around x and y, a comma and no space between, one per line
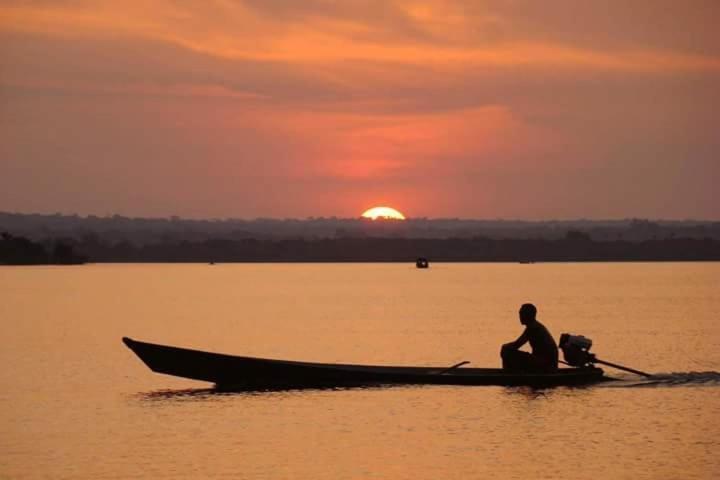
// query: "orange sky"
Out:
[485,109]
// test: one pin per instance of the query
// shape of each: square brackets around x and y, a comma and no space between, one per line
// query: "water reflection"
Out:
[205,394]
[529,393]
[213,393]
[674,379]
[548,393]
[182,394]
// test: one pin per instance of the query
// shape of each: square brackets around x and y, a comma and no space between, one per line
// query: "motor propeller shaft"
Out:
[620,367]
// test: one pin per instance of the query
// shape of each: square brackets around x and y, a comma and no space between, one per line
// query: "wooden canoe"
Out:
[247,373]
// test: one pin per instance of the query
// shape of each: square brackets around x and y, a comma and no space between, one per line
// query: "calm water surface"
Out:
[75,403]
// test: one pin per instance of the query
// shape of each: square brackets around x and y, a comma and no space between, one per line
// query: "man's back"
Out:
[541,341]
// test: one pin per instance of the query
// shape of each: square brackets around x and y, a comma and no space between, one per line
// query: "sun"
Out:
[385,213]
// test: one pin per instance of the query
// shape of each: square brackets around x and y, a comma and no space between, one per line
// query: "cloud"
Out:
[272,107]
[494,34]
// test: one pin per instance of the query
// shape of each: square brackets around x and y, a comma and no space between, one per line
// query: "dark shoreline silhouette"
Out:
[143,231]
[574,247]
[73,239]
[16,250]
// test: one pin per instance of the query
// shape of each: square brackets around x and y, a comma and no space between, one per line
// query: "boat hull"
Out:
[236,372]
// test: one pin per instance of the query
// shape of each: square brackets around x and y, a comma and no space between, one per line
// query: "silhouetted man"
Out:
[544,356]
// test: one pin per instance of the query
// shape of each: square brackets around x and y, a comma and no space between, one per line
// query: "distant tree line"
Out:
[575,246]
[144,231]
[22,251]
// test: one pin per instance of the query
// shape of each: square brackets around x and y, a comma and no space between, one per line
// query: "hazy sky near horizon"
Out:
[484,109]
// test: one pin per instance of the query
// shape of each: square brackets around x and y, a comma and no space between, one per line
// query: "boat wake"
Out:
[674,379]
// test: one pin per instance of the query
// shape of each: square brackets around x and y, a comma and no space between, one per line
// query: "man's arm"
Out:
[521,340]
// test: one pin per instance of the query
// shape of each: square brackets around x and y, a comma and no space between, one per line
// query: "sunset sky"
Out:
[283,108]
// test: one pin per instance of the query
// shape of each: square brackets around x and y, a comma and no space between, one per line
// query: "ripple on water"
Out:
[673,379]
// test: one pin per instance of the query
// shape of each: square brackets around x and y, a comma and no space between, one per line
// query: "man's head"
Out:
[527,313]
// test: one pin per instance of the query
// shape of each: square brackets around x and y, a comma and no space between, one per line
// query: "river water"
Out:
[76,403]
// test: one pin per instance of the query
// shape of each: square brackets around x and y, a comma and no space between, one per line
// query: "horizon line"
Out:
[360,218]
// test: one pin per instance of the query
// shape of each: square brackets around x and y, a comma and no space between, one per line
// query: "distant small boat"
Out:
[422,262]
[248,373]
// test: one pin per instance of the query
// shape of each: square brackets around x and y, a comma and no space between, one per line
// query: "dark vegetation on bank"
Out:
[69,239]
[143,231]
[21,251]
[574,246]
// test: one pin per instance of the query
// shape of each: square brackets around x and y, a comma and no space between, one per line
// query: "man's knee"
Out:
[516,359]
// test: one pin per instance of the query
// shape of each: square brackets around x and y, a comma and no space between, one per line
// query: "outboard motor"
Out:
[576,350]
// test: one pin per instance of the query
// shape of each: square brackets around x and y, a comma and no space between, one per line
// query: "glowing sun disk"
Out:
[383,213]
